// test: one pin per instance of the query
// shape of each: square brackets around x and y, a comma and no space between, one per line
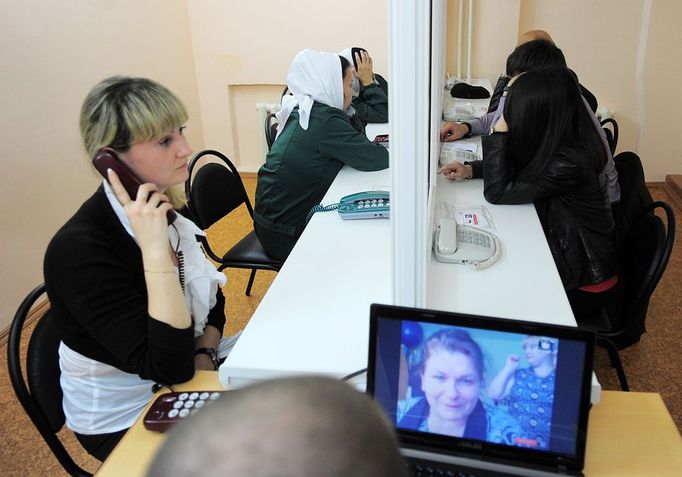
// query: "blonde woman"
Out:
[136,300]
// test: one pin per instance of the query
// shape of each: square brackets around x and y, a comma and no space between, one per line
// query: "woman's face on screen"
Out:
[451,385]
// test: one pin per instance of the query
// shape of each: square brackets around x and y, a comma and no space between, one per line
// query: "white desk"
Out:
[315,316]
[524,283]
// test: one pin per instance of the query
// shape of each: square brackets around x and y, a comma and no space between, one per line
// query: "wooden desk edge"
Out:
[611,448]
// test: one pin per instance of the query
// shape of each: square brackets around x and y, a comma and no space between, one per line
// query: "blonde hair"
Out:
[121,111]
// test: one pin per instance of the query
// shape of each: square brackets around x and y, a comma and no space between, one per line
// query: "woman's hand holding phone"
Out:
[147,216]
[364,67]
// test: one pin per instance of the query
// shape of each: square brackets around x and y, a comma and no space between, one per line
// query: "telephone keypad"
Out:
[473,237]
[169,408]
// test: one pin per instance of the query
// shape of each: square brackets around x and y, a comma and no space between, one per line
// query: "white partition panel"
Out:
[411,140]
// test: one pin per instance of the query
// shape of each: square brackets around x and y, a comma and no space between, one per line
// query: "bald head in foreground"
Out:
[308,426]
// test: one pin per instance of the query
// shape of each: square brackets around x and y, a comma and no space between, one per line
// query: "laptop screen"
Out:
[487,386]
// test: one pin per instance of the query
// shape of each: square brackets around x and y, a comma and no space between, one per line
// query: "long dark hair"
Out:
[545,111]
[534,55]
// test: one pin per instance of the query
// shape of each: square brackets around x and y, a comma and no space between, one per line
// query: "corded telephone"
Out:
[455,243]
[108,159]
[365,205]
[371,204]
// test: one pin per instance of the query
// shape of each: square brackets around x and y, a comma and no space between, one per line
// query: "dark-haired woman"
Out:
[545,150]
[314,140]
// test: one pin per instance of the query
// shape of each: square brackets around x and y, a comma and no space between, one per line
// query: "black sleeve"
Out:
[501,186]
[216,316]
[94,282]
[476,169]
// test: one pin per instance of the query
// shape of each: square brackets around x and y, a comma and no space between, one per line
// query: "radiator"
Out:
[263,109]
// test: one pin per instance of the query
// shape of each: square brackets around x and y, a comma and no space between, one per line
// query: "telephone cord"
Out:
[320,208]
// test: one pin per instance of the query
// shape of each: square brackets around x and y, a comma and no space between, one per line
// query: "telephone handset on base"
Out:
[108,159]
[454,243]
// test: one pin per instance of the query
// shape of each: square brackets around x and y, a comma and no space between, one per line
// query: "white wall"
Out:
[243,46]
[51,53]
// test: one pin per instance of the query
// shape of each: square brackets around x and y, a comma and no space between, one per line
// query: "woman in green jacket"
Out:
[315,139]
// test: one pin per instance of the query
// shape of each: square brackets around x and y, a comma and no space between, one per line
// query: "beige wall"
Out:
[223,57]
[622,52]
[242,49]
[51,53]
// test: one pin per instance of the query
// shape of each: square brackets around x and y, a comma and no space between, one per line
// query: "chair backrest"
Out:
[214,190]
[611,130]
[270,129]
[42,397]
[643,257]
[634,194]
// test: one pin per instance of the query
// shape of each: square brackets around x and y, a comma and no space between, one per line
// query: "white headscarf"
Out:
[313,76]
[347,54]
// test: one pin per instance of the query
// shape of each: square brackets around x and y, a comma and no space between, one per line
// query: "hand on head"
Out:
[364,72]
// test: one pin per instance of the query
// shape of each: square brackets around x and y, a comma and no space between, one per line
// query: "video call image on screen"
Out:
[492,386]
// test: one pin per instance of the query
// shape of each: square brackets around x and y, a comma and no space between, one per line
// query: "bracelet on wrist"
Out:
[211,353]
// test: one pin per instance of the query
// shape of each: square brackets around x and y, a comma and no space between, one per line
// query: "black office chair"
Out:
[40,393]
[213,191]
[643,256]
[270,129]
[611,129]
[634,194]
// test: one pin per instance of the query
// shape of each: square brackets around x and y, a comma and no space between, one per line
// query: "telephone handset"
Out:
[455,243]
[108,159]
[353,51]
[371,204]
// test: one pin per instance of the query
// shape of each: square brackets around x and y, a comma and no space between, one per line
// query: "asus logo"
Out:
[470,445]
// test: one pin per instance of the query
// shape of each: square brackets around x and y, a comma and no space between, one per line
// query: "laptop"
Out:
[475,395]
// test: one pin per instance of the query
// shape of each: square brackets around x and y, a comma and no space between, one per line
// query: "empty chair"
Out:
[213,191]
[40,393]
[643,256]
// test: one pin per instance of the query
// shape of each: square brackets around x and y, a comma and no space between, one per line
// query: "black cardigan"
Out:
[95,282]
[571,202]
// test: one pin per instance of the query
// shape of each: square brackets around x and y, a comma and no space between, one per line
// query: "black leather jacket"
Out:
[572,205]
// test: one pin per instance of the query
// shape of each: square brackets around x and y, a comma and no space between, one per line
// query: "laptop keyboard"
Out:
[428,468]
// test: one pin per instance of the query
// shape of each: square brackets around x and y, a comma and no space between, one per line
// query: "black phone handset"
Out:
[107,158]
[353,51]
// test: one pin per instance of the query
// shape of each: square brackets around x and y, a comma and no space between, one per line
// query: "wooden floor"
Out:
[652,365]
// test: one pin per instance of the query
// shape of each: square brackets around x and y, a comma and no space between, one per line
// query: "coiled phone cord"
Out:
[320,208]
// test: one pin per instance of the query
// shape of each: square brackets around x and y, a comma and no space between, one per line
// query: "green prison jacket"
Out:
[301,166]
[371,105]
